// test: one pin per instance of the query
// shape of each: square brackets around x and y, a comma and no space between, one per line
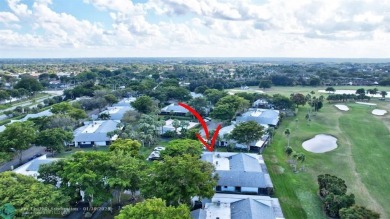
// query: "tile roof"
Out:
[99,134]
[174,108]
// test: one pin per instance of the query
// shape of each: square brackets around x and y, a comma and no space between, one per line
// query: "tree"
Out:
[222,112]
[265,84]
[61,121]
[301,158]
[144,104]
[383,94]
[201,89]
[360,91]
[358,212]
[287,133]
[179,178]
[179,147]
[4,95]
[127,146]
[31,84]
[87,171]
[213,95]
[154,208]
[55,139]
[288,151]
[237,104]
[77,114]
[176,125]
[61,108]
[334,203]
[124,173]
[199,104]
[247,132]
[298,99]
[104,116]
[331,184]
[18,136]
[315,82]
[26,194]
[130,116]
[111,99]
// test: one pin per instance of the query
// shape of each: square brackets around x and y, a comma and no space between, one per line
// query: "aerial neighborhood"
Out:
[110,139]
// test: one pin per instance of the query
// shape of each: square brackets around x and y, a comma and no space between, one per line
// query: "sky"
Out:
[195,28]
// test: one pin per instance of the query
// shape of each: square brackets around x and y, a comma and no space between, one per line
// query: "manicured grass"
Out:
[286,91]
[74,150]
[362,167]
[370,140]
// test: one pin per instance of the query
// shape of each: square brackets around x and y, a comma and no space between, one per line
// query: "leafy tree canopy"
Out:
[180,147]
[247,132]
[154,208]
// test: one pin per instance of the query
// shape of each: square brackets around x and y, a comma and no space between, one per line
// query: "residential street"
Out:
[27,154]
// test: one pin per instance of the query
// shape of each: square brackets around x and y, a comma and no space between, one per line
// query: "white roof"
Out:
[31,168]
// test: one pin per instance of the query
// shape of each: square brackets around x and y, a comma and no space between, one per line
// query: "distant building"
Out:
[262,116]
[28,116]
[169,127]
[117,112]
[260,103]
[125,101]
[95,133]
[195,95]
[226,206]
[31,168]
[255,146]
[240,173]
[174,109]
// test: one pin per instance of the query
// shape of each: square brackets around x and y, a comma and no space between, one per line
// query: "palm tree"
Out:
[287,133]
[301,158]
[288,151]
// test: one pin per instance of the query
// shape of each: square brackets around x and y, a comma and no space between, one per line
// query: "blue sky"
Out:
[199,28]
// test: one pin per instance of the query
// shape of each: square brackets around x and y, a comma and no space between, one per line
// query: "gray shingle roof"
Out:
[118,115]
[198,214]
[268,117]
[174,108]
[249,208]
[99,135]
[244,162]
[34,166]
[241,179]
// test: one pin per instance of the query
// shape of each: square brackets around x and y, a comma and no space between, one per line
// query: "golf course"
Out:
[361,157]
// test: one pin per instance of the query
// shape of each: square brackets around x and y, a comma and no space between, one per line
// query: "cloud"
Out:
[8,17]
[202,27]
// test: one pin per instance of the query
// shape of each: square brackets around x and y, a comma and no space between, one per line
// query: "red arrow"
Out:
[204,125]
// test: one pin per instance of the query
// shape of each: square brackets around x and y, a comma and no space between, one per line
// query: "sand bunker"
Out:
[369,104]
[320,144]
[342,107]
[379,112]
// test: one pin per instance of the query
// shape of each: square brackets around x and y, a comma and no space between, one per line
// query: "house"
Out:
[240,173]
[260,103]
[262,116]
[117,112]
[169,126]
[174,109]
[125,101]
[226,206]
[95,133]
[28,116]
[255,146]
[31,168]
[196,95]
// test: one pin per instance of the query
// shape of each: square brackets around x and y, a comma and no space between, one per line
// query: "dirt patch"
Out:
[277,169]
[274,159]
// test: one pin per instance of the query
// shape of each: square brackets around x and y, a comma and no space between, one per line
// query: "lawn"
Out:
[360,159]
[286,91]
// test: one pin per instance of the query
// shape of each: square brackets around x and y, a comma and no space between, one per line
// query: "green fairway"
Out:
[360,159]
[286,91]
